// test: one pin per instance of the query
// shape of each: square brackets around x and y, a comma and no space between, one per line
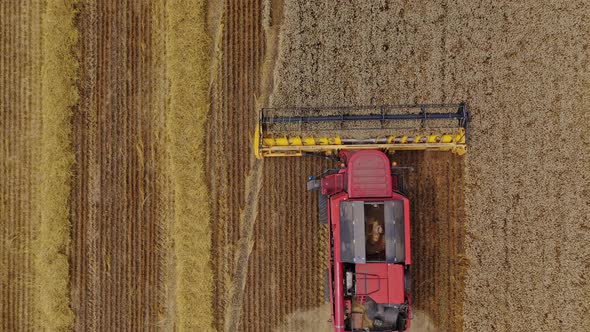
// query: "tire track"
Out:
[244,247]
[219,174]
[85,195]
[117,196]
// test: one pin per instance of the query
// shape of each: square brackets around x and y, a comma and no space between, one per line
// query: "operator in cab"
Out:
[375,241]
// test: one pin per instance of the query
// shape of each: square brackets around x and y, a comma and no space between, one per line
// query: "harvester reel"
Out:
[323,131]
[326,286]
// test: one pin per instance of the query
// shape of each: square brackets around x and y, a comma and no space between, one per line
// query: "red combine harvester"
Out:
[362,201]
[369,218]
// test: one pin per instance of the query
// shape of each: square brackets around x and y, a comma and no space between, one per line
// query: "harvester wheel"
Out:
[407,280]
[326,286]
[323,208]
[401,324]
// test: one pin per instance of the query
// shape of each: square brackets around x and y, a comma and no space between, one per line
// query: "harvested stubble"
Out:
[308,320]
[120,204]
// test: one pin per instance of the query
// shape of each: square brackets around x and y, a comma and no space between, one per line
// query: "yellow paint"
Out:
[297,145]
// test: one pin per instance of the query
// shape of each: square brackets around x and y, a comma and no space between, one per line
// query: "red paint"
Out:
[383,282]
[369,174]
[395,281]
[336,297]
[333,183]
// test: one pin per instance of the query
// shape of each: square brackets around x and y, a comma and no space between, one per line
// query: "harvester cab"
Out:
[362,200]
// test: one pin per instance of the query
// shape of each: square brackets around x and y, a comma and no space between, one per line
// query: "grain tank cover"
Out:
[394,232]
[352,232]
[356,219]
[369,175]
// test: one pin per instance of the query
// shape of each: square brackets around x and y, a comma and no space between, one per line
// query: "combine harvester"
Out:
[362,201]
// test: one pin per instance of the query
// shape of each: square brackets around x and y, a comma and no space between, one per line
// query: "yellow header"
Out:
[287,146]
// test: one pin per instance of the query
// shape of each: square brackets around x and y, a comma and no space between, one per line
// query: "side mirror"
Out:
[313,184]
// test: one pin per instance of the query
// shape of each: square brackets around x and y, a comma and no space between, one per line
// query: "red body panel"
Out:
[333,183]
[337,288]
[383,282]
[338,299]
[369,174]
[367,177]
